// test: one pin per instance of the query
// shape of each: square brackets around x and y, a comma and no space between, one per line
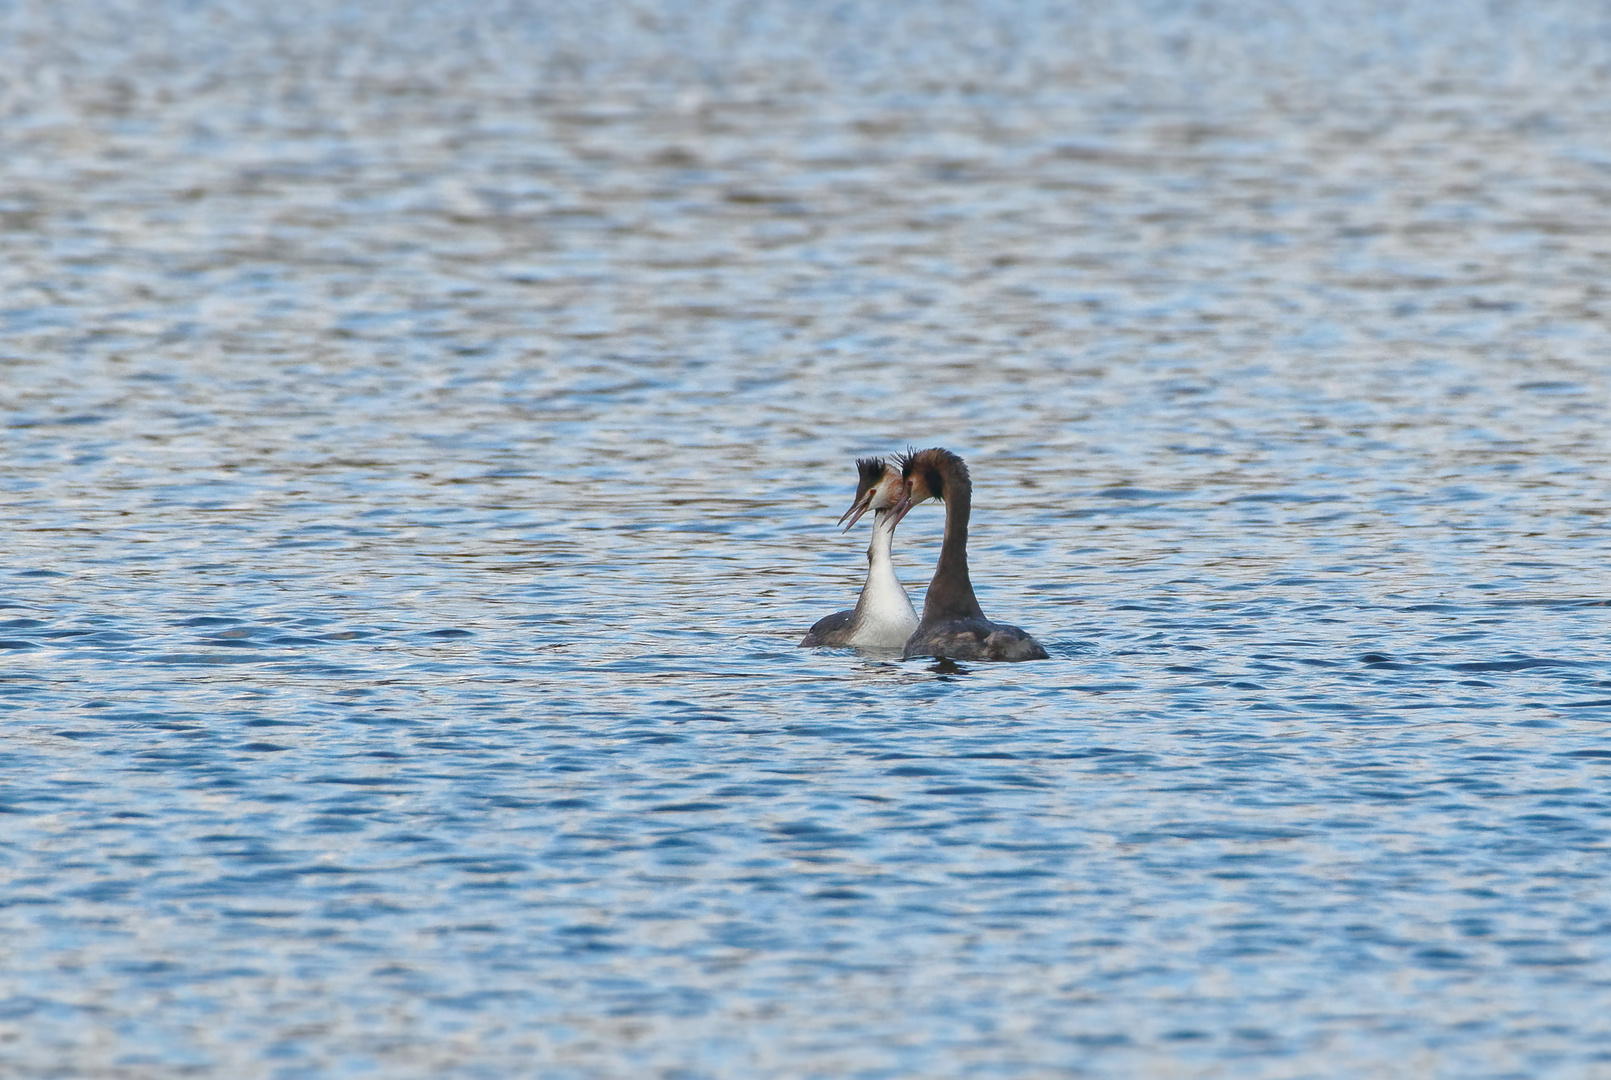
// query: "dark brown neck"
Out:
[950,594]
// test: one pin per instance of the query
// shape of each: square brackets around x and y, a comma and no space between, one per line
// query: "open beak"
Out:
[853,515]
[902,505]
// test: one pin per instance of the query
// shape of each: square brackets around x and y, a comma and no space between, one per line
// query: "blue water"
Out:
[423,433]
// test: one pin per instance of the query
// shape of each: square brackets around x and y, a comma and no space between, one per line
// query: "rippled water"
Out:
[423,433]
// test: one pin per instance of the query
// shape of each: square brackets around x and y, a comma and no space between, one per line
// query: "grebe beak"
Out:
[853,515]
[902,505]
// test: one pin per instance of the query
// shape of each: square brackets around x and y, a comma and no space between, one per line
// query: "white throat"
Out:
[884,616]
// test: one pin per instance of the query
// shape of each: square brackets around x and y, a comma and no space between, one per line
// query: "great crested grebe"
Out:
[883,617]
[953,625]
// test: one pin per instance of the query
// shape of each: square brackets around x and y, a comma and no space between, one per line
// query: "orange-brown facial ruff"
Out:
[890,490]
[924,472]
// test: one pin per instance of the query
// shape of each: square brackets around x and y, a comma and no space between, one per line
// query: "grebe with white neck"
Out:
[953,625]
[883,617]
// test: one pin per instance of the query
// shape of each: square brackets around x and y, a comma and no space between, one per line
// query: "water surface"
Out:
[423,434]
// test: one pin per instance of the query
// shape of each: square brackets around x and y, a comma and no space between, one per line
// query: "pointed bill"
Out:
[860,507]
[902,505]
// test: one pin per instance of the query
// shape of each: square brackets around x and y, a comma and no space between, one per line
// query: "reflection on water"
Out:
[424,430]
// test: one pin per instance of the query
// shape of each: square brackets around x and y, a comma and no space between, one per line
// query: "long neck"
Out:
[950,593]
[878,560]
[883,599]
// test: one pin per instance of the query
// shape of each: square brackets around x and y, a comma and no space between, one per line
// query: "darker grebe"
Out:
[953,626]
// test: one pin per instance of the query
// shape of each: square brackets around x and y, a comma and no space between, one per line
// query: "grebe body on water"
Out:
[953,626]
[883,617]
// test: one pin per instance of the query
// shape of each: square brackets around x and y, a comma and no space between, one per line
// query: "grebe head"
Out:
[923,475]
[890,489]
[878,486]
